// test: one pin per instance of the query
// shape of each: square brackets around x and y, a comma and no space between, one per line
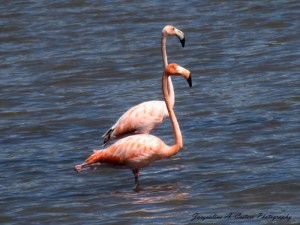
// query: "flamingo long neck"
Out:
[177,133]
[165,59]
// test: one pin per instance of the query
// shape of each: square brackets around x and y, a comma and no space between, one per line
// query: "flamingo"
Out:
[144,117]
[137,151]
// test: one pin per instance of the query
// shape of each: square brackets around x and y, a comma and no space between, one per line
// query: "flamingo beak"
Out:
[185,73]
[182,42]
[189,80]
[180,36]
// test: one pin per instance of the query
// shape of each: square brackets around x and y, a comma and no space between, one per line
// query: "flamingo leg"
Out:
[136,178]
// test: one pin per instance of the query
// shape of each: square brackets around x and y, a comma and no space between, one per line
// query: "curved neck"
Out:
[165,61]
[177,133]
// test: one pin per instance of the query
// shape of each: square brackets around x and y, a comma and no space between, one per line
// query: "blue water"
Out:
[69,69]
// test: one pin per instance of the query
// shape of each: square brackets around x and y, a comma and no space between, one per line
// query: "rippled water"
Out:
[69,69]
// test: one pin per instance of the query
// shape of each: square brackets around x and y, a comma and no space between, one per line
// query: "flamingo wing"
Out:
[133,152]
[140,119]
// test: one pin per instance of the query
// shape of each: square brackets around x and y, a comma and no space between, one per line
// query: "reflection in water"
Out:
[162,198]
[148,200]
[172,189]
[164,192]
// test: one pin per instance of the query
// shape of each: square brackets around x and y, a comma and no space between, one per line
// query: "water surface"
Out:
[69,69]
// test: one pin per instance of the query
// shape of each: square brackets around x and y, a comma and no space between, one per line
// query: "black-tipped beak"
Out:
[182,41]
[189,80]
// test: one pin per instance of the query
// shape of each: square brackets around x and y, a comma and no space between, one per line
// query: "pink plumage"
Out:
[131,152]
[138,151]
[140,119]
[144,117]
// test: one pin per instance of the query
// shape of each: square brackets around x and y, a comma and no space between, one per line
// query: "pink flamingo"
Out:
[140,150]
[144,117]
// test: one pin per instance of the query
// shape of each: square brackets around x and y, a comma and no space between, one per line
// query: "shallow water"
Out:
[69,69]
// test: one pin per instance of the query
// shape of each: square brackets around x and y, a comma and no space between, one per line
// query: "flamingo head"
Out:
[170,30]
[175,69]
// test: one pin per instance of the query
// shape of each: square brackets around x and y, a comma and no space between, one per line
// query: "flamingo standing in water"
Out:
[140,150]
[144,117]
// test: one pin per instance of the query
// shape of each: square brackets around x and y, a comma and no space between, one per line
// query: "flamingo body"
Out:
[132,152]
[138,151]
[144,117]
[140,119]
